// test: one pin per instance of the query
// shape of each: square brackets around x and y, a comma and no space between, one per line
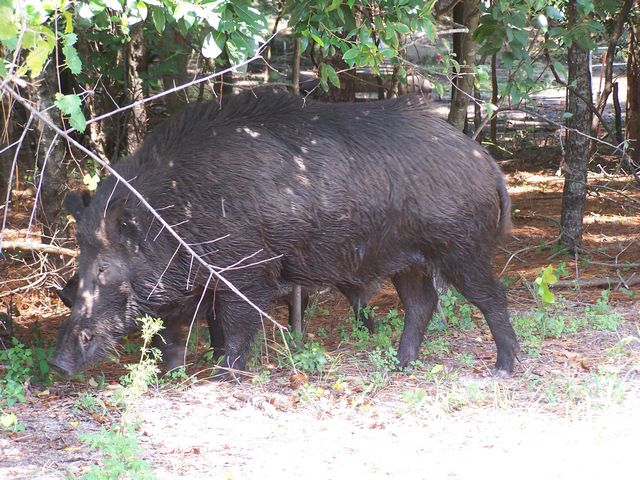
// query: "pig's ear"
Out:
[123,221]
[76,203]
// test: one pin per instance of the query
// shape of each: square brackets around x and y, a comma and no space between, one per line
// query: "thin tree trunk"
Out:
[612,42]
[460,99]
[633,89]
[136,64]
[180,61]
[494,98]
[50,154]
[295,67]
[577,146]
[477,113]
[618,114]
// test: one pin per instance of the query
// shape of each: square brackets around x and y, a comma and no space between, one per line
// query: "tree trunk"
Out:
[633,89]
[477,114]
[8,135]
[456,41]
[179,54]
[295,67]
[577,150]
[494,99]
[465,80]
[50,153]
[612,42]
[136,64]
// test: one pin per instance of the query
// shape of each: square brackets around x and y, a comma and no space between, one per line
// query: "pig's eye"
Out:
[85,338]
[102,268]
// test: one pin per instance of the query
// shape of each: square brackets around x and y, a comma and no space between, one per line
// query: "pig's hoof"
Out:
[225,375]
[500,373]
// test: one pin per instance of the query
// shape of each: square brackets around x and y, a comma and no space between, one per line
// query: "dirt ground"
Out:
[571,409]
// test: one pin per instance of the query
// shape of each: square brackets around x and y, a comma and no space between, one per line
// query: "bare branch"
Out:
[599,282]
[31,246]
[10,181]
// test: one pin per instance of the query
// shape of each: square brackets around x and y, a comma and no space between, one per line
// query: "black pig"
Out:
[330,194]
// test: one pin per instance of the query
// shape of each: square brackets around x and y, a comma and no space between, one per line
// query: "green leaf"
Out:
[560,69]
[71,105]
[8,420]
[85,11]
[210,47]
[213,19]
[3,69]
[182,8]
[142,10]
[547,277]
[554,13]
[317,39]
[401,28]
[351,54]
[334,4]
[329,72]
[91,181]
[68,19]
[521,36]
[252,17]
[490,109]
[439,89]
[484,31]
[113,5]
[543,22]
[71,54]
[37,57]
[157,15]
[388,52]
[8,29]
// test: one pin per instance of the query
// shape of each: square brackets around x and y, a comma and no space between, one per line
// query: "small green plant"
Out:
[119,445]
[414,399]
[90,404]
[601,316]
[533,329]
[322,333]
[466,359]
[546,278]
[22,364]
[145,372]
[9,422]
[387,329]
[456,309]
[261,377]
[203,336]
[437,347]
[122,455]
[384,361]
[630,294]
[178,374]
[129,346]
[439,374]
[311,358]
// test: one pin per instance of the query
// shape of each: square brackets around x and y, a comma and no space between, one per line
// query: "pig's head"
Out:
[104,306]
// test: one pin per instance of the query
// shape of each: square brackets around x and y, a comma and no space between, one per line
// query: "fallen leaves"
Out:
[297,380]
